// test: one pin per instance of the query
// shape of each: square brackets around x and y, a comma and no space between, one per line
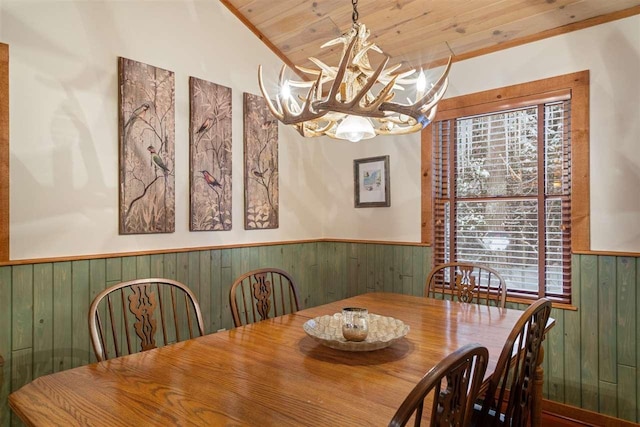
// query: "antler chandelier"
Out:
[350,109]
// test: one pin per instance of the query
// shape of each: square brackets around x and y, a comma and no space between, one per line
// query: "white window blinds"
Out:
[502,186]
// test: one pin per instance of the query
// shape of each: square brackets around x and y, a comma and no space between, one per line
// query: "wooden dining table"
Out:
[269,373]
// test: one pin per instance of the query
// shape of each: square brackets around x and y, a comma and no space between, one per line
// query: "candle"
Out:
[355,323]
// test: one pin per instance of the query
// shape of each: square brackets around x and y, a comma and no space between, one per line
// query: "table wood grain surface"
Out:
[267,373]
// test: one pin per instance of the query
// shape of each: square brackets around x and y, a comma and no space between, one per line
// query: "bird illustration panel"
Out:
[147,148]
[210,159]
[261,194]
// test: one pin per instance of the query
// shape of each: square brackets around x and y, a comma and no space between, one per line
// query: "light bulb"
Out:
[421,85]
[355,128]
[285,92]
[421,82]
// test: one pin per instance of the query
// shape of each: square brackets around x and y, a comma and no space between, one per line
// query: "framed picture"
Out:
[210,153]
[371,182]
[261,189]
[146,120]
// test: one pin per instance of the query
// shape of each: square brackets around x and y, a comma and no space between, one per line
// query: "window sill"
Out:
[558,305]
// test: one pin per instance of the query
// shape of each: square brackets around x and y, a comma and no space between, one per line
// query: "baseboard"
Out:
[583,416]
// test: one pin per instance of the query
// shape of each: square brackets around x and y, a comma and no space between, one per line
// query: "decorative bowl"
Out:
[383,331]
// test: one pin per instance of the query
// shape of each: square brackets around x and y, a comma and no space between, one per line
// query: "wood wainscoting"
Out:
[592,355]
[556,414]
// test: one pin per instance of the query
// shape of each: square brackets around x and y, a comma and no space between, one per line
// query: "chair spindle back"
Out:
[135,315]
[510,392]
[261,294]
[466,282]
[454,383]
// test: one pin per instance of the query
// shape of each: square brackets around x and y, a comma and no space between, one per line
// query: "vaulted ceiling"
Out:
[419,32]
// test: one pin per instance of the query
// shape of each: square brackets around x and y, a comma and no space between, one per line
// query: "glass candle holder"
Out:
[355,323]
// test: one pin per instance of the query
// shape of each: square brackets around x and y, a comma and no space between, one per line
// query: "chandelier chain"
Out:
[354,15]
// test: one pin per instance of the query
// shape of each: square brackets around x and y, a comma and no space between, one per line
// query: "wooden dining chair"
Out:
[136,315]
[261,294]
[466,282]
[453,399]
[509,395]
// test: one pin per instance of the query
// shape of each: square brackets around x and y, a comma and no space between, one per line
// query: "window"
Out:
[502,189]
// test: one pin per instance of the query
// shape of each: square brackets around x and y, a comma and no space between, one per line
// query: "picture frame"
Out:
[210,148]
[261,173]
[146,133]
[372,188]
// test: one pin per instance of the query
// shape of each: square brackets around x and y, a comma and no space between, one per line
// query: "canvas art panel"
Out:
[210,156]
[260,165]
[146,98]
[371,182]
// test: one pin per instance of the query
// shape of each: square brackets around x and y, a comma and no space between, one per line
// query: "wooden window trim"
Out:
[4,152]
[504,98]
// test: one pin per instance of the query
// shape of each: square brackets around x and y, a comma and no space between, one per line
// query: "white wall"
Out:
[612,54]
[64,121]
[400,221]
[64,140]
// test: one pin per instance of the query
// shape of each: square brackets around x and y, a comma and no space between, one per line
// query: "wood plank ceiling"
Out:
[419,32]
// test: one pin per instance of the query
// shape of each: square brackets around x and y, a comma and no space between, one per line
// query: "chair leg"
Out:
[536,401]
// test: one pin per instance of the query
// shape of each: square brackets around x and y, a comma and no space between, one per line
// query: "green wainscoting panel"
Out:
[114,270]
[372,277]
[607,393]
[388,257]
[421,267]
[204,296]
[572,337]
[80,300]
[625,317]
[62,320]
[554,358]
[213,318]
[97,283]
[42,319]
[22,307]
[627,393]
[590,332]
[607,348]
[398,282]
[129,269]
[592,355]
[22,326]
[334,261]
[5,343]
